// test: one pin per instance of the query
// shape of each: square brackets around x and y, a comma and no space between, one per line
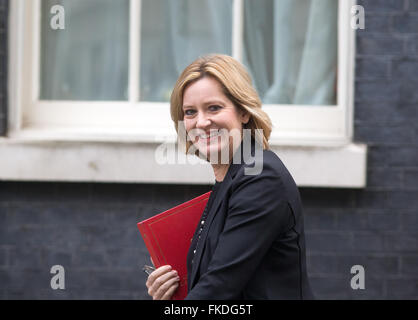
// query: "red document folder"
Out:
[168,235]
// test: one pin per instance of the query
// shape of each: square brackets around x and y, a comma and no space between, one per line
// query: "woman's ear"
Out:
[245,117]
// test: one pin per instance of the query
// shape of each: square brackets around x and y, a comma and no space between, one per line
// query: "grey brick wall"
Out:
[90,228]
[4,5]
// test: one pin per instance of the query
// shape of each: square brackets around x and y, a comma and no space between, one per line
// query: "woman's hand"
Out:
[162,283]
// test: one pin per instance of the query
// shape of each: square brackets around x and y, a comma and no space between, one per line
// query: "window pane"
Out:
[88,60]
[176,32]
[290,48]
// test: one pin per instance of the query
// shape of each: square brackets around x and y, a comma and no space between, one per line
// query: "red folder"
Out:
[168,235]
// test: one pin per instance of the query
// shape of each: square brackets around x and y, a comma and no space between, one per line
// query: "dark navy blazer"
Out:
[253,243]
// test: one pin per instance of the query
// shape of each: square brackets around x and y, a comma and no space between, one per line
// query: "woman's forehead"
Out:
[205,90]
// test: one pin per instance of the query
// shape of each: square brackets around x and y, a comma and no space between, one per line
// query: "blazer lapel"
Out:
[220,196]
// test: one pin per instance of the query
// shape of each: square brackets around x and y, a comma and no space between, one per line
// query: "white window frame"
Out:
[149,123]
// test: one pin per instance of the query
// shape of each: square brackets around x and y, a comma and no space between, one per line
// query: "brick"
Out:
[402,156]
[5,278]
[367,199]
[327,197]
[322,264]
[411,179]
[409,92]
[72,215]
[26,192]
[122,280]
[404,199]
[128,258]
[384,221]
[319,219]
[79,280]
[406,242]
[170,195]
[406,23]
[378,155]
[72,192]
[413,6]
[402,288]
[368,242]
[377,23]
[379,44]
[122,193]
[4,261]
[349,220]
[125,236]
[395,135]
[328,242]
[385,112]
[386,178]
[411,45]
[4,215]
[377,91]
[406,68]
[26,215]
[90,258]
[409,221]
[372,68]
[330,287]
[409,265]
[382,5]
[26,257]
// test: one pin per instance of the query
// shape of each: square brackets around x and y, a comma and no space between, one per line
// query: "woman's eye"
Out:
[214,108]
[188,112]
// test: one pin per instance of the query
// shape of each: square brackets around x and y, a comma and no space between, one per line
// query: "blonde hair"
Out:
[236,84]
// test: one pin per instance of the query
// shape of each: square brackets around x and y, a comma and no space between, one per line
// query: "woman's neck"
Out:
[220,171]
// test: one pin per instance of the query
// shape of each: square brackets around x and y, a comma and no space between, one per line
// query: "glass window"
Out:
[89,59]
[173,34]
[290,48]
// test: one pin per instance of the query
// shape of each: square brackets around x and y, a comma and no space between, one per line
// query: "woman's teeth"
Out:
[213,134]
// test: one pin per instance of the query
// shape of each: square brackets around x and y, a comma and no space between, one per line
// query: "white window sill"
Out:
[130,161]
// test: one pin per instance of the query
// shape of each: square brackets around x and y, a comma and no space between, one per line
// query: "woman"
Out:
[250,243]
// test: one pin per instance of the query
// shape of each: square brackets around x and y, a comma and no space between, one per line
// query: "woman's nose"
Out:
[202,121]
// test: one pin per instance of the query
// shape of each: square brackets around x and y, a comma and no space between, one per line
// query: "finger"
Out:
[160,281]
[167,285]
[157,273]
[169,293]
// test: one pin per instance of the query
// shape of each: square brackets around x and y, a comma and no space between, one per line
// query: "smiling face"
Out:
[213,123]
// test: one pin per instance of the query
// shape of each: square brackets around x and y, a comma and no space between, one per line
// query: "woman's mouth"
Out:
[213,134]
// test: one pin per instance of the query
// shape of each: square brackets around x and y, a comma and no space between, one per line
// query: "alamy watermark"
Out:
[58,19]
[170,153]
[358,18]
[358,280]
[58,280]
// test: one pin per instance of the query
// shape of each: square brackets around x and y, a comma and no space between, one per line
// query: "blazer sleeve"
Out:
[258,212]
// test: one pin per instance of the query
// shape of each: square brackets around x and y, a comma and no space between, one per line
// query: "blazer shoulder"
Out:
[273,169]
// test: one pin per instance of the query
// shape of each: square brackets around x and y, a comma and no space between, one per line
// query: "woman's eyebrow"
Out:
[208,102]
[213,102]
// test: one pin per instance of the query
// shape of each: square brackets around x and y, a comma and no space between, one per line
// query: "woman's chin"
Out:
[213,151]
